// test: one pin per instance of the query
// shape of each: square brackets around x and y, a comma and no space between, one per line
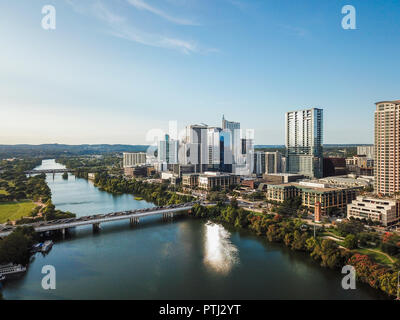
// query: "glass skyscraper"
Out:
[304,132]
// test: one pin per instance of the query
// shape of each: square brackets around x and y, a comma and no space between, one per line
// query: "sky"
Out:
[113,70]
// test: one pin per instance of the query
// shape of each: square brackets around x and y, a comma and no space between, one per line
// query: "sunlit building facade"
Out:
[387,147]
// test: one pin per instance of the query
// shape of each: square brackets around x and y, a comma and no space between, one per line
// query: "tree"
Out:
[287,239]
[350,227]
[290,206]
[274,233]
[328,254]
[311,244]
[299,241]
[350,242]
[16,247]
[241,220]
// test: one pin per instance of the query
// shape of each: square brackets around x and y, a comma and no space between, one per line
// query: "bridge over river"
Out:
[48,171]
[95,220]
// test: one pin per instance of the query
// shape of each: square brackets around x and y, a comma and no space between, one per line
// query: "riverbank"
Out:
[159,194]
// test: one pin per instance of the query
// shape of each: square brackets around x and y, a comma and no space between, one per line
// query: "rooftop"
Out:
[307,187]
[284,174]
[388,101]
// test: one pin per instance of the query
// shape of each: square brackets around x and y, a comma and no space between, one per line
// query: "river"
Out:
[184,259]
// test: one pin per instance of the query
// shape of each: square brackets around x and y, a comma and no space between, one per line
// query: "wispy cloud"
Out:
[104,14]
[119,26]
[141,5]
[154,40]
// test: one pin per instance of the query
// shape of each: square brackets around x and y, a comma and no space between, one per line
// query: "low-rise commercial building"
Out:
[330,198]
[249,183]
[385,211]
[180,169]
[279,178]
[190,180]
[166,175]
[212,180]
[138,171]
[342,181]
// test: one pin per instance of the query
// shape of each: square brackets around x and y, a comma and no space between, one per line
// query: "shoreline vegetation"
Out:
[156,193]
[26,199]
[16,248]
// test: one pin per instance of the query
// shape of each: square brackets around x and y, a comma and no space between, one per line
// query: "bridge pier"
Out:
[64,232]
[133,221]
[168,216]
[96,227]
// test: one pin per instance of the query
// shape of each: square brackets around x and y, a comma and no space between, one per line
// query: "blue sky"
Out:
[112,70]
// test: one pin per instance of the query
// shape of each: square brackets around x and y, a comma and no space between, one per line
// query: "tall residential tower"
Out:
[304,142]
[387,147]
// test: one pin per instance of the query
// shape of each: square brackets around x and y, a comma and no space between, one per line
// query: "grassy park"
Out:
[15,210]
[377,255]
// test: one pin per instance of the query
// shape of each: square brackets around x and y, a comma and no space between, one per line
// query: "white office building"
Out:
[385,211]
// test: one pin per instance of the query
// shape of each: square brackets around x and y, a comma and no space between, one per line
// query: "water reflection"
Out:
[220,254]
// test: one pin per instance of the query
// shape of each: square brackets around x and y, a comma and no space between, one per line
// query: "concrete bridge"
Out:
[48,171]
[63,225]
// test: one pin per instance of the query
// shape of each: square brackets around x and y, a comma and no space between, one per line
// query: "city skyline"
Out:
[136,65]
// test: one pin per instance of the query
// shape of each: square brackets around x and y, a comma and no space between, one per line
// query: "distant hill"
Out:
[55,150]
[49,150]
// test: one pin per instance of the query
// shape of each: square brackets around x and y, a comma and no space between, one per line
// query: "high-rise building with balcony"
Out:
[304,133]
[131,159]
[387,147]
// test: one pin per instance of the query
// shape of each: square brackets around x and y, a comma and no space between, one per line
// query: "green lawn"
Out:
[378,257]
[15,210]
